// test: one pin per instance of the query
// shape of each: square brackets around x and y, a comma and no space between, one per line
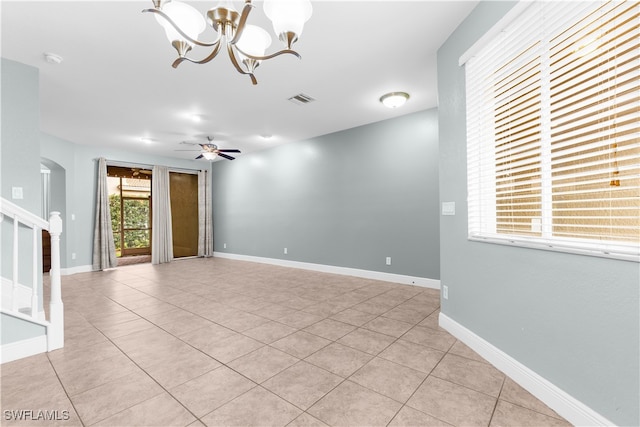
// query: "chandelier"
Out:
[246,44]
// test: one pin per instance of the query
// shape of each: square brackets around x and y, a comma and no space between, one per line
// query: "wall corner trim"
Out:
[345,271]
[567,406]
[21,349]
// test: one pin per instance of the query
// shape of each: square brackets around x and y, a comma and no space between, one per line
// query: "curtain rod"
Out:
[147,166]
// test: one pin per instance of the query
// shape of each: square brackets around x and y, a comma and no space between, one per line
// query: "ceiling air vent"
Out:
[301,99]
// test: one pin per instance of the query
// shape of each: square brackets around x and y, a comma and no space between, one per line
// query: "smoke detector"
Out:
[52,58]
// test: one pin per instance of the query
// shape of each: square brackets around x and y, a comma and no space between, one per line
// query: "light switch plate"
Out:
[448,208]
[16,193]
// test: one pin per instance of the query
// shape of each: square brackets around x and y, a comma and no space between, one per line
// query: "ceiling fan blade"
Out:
[226,157]
[199,157]
[231,150]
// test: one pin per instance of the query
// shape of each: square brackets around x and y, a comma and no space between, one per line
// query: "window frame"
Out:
[482,216]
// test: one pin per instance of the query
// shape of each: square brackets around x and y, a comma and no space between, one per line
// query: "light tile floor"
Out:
[221,342]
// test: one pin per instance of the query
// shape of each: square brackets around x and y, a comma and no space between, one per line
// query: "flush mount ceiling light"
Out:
[246,44]
[394,99]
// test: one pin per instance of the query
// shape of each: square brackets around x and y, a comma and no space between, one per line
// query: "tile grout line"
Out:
[147,374]
[417,388]
[495,406]
[319,367]
[65,390]
[222,364]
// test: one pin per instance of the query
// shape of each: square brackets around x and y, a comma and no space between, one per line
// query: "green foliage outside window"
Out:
[136,215]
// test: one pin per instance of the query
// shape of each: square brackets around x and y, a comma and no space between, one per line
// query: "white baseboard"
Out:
[345,271]
[21,349]
[74,270]
[574,411]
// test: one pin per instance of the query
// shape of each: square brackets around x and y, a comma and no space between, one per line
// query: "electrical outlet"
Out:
[388,260]
[224,245]
[286,251]
[73,255]
[445,292]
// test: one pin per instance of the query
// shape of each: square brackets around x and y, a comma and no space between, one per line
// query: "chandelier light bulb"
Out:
[190,21]
[288,17]
[254,40]
[394,99]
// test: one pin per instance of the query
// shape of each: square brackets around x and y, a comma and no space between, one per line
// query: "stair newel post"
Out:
[56,308]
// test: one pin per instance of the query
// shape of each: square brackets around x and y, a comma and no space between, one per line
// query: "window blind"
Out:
[553,130]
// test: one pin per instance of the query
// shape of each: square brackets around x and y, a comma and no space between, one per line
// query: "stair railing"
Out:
[55,325]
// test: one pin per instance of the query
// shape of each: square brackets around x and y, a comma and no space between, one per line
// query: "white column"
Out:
[56,308]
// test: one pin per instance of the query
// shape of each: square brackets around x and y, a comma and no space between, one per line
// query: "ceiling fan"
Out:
[210,150]
[137,171]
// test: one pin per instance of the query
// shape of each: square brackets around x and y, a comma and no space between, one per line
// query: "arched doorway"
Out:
[53,188]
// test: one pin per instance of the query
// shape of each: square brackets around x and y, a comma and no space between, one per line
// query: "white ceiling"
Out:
[116,85]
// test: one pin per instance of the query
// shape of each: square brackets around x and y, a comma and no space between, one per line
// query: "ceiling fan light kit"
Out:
[245,44]
[394,99]
[209,150]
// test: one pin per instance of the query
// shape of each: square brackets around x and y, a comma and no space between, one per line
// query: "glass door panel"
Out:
[130,205]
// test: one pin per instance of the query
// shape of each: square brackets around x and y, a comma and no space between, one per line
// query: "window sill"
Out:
[557,247]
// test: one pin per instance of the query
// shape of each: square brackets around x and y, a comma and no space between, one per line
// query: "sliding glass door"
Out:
[131,211]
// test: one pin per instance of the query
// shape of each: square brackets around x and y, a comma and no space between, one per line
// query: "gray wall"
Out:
[13,329]
[20,158]
[20,134]
[572,319]
[347,199]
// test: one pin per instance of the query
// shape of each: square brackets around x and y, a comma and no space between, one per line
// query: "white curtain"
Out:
[205,227]
[161,234]
[104,249]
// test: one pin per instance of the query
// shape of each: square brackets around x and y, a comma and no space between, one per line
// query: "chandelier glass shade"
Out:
[245,44]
